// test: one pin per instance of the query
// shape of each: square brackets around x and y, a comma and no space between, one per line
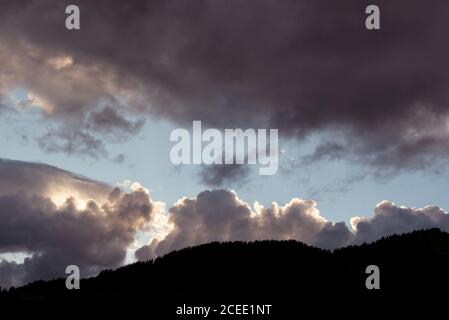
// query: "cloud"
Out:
[120,158]
[325,151]
[12,274]
[219,215]
[80,103]
[390,218]
[90,135]
[72,142]
[219,174]
[299,66]
[59,229]
[3,105]
[110,122]
[47,181]
[57,218]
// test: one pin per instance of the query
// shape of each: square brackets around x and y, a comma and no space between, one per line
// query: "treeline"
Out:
[282,273]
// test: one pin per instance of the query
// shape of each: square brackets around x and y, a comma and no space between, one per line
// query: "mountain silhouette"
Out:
[289,275]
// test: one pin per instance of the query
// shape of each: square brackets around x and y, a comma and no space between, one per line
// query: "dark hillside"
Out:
[286,274]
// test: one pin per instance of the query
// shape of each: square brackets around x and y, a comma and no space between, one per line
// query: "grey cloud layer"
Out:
[45,180]
[94,237]
[300,66]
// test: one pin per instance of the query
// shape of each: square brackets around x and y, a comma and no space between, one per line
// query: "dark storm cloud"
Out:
[300,66]
[93,237]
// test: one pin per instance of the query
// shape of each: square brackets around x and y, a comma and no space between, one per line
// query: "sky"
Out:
[86,117]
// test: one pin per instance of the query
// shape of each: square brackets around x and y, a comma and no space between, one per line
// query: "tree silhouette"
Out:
[282,273]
